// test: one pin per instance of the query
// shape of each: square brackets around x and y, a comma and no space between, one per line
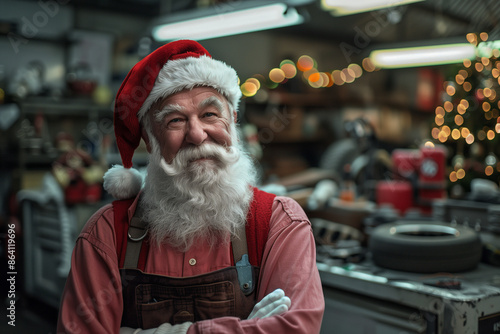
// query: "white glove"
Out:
[274,303]
[165,328]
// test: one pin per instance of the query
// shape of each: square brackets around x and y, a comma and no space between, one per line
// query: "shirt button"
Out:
[192,262]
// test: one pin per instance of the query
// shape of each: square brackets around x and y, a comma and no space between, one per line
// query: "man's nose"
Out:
[195,133]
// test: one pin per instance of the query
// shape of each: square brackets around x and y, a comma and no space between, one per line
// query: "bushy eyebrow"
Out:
[212,101]
[168,109]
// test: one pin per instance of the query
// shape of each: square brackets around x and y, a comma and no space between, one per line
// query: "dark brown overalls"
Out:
[151,300]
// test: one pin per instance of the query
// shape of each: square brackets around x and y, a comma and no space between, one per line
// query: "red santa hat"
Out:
[175,66]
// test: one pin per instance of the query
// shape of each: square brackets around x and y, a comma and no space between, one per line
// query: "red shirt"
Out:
[92,300]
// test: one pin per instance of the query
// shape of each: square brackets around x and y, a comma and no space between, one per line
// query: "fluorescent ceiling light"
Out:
[423,56]
[343,7]
[232,23]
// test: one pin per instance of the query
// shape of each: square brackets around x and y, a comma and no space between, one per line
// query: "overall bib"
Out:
[150,300]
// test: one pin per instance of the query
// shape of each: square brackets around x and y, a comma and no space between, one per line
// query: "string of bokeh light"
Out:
[307,68]
[482,98]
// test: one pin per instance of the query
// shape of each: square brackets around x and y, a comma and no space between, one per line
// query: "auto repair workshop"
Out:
[378,119]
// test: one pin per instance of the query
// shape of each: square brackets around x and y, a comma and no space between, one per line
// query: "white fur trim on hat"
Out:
[122,183]
[187,73]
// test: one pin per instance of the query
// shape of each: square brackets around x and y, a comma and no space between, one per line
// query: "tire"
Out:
[425,247]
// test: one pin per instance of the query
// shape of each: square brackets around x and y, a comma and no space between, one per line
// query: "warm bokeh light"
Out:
[460,173]
[255,81]
[357,70]
[429,144]
[446,129]
[308,73]
[472,38]
[368,65]
[464,132]
[276,75]
[440,111]
[442,137]
[481,135]
[479,67]
[439,120]
[483,36]
[349,75]
[455,134]
[461,109]
[467,86]
[488,170]
[448,106]
[459,79]
[450,90]
[249,88]
[459,120]
[325,78]
[490,135]
[338,77]
[467,63]
[479,93]
[289,69]
[305,63]
[485,61]
[497,128]
[493,95]
[435,133]
[463,73]
[469,139]
[315,80]
[486,106]
[453,176]
[329,78]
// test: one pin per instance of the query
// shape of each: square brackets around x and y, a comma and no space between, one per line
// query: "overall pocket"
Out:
[157,304]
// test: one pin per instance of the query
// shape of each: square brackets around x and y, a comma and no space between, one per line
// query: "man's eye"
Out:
[209,114]
[175,122]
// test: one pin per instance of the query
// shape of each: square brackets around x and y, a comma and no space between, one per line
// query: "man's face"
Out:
[190,118]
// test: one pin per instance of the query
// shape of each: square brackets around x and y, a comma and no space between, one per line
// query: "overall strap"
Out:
[257,226]
[129,238]
[137,231]
[240,258]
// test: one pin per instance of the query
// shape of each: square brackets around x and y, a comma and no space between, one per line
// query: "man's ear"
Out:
[145,137]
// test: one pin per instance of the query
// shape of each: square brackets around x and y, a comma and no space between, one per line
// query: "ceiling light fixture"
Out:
[238,21]
[342,7]
[423,56]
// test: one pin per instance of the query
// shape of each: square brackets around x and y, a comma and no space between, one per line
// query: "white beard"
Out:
[183,202]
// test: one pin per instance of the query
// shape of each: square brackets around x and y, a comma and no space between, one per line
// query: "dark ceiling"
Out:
[422,21]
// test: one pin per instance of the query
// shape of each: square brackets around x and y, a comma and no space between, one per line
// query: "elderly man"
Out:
[197,249]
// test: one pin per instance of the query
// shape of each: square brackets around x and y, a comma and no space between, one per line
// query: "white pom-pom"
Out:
[122,183]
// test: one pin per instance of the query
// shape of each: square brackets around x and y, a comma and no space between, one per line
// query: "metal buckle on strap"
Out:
[244,269]
[139,238]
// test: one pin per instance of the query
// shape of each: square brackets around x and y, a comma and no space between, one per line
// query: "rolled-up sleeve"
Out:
[289,263]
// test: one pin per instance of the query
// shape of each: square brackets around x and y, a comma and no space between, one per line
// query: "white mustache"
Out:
[226,156]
